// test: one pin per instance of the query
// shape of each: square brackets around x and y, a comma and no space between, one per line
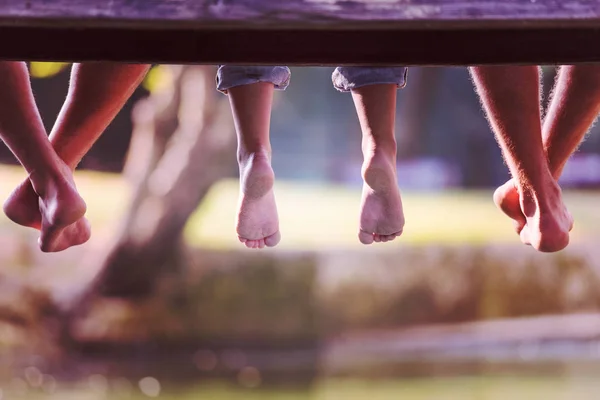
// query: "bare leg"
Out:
[55,196]
[510,96]
[382,217]
[574,106]
[257,220]
[97,92]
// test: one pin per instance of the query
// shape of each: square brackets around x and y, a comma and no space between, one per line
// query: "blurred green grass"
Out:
[325,216]
[464,388]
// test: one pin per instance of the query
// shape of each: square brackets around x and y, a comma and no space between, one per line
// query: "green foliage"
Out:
[158,78]
[43,70]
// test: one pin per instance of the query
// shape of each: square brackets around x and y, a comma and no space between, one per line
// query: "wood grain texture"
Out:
[307,32]
[306,13]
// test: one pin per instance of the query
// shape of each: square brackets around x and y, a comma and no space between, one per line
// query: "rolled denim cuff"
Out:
[229,76]
[347,78]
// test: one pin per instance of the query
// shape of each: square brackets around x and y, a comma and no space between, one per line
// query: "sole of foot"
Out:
[506,198]
[548,222]
[381,216]
[548,232]
[62,211]
[257,223]
[53,240]
[22,206]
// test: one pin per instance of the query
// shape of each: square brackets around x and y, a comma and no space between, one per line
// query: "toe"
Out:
[524,235]
[571,222]
[376,238]
[273,240]
[41,244]
[518,225]
[46,245]
[365,237]
[506,199]
[86,232]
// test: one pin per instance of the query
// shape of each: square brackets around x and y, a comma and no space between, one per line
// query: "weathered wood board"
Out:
[307,32]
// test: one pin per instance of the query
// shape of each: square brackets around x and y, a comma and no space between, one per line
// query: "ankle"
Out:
[246,157]
[540,199]
[379,157]
[42,181]
[49,179]
[379,148]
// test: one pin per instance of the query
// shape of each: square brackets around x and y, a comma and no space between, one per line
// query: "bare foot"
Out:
[257,220]
[55,240]
[381,217]
[548,223]
[548,220]
[22,207]
[61,210]
[506,198]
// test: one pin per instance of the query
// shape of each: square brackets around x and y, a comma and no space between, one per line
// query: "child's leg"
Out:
[21,128]
[511,98]
[574,105]
[250,91]
[97,92]
[374,94]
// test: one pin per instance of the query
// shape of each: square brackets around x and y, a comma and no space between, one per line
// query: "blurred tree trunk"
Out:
[183,142]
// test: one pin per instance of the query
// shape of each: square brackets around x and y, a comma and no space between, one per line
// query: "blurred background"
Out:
[164,302]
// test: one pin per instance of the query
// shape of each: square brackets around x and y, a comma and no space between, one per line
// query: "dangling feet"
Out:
[22,206]
[541,219]
[506,198]
[54,239]
[257,220]
[56,209]
[381,217]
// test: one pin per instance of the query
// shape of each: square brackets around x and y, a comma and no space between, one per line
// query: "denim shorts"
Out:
[344,78]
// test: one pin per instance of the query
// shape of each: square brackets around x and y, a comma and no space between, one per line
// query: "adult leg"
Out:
[374,94]
[511,99]
[250,92]
[574,105]
[55,198]
[97,92]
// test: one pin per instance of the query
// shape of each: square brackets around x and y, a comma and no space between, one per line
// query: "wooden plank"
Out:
[304,12]
[306,32]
